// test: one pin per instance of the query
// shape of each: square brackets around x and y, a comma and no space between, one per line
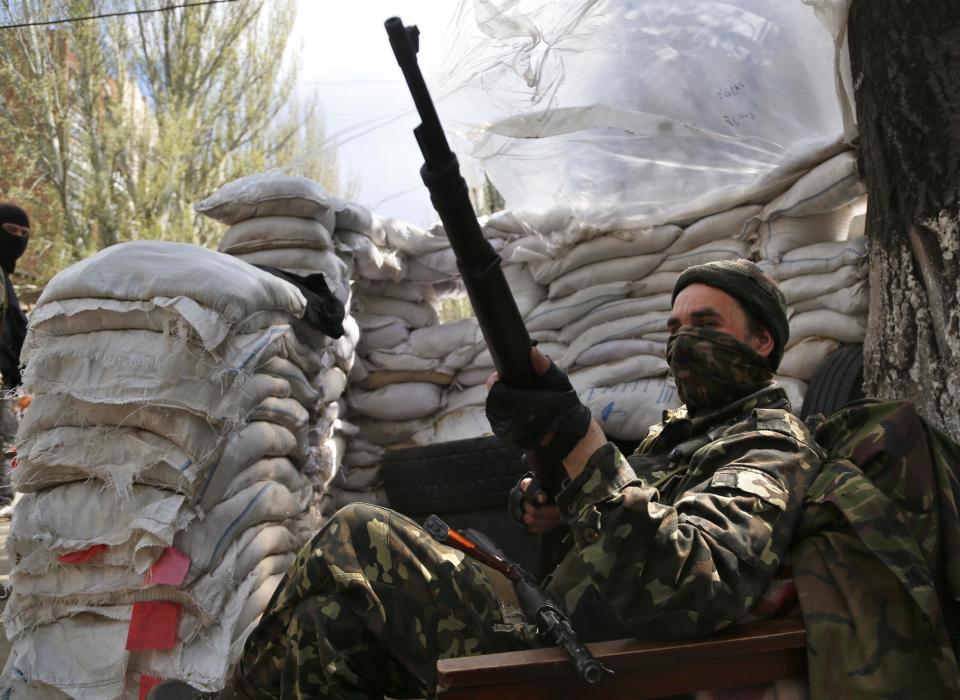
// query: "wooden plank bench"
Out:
[759,652]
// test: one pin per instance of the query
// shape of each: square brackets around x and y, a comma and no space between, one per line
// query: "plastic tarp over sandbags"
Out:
[729,100]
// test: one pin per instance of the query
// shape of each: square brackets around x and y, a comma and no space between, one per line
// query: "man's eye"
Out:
[707,324]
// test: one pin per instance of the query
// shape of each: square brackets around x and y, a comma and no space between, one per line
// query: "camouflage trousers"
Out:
[367,609]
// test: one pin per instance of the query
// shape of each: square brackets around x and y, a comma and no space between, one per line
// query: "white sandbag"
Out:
[655,284]
[804,287]
[632,268]
[397,401]
[735,223]
[181,317]
[611,311]
[134,367]
[287,413]
[118,457]
[474,396]
[461,424]
[143,270]
[849,300]
[525,249]
[411,240]
[352,216]
[804,358]
[344,347]
[393,361]
[557,313]
[385,336]
[796,391]
[372,262]
[817,259]
[824,323]
[256,603]
[445,261]
[358,477]
[406,291]
[415,315]
[416,272]
[619,372]
[300,388]
[725,249]
[614,350]
[858,225]
[831,185]
[626,411]
[332,383]
[621,244]
[195,435]
[269,194]
[381,432]
[279,470]
[472,377]
[630,327]
[206,541]
[267,232]
[381,378]
[785,233]
[255,441]
[549,348]
[60,521]
[526,292]
[328,263]
[440,340]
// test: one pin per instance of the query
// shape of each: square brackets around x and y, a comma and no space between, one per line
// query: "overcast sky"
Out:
[346,58]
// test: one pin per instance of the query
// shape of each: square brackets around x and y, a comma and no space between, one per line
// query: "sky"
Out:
[347,61]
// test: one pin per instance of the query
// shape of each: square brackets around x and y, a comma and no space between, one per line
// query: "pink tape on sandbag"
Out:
[170,569]
[153,625]
[82,555]
[146,685]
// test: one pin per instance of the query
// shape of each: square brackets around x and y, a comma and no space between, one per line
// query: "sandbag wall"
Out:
[597,302]
[288,223]
[161,466]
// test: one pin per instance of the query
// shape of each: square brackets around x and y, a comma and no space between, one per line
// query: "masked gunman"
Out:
[14,235]
[678,541]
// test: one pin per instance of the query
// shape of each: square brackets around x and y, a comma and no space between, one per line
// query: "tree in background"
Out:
[112,129]
[905,60]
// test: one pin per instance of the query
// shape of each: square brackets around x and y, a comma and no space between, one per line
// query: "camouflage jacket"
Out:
[683,537]
[876,560]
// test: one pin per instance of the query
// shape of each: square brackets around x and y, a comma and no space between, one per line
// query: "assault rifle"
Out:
[497,312]
[552,624]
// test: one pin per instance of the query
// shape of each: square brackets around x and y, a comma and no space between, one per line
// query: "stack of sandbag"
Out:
[160,466]
[395,389]
[810,240]
[287,222]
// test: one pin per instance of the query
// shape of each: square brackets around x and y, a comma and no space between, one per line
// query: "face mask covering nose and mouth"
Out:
[713,369]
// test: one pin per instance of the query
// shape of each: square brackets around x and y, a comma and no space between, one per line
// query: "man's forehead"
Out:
[700,296]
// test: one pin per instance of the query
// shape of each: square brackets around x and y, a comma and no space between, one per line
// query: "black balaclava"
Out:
[11,246]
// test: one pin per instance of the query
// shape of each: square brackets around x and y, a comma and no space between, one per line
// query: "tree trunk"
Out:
[905,60]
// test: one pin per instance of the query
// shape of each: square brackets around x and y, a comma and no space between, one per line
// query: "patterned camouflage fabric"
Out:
[665,547]
[877,560]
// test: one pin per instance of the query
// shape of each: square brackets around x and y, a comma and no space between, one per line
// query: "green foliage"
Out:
[111,130]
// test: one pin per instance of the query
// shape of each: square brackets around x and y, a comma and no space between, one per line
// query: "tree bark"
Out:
[905,61]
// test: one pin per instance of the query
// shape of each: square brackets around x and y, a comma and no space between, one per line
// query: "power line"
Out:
[66,20]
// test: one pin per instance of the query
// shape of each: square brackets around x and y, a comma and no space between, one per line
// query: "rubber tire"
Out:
[838,381]
[451,477]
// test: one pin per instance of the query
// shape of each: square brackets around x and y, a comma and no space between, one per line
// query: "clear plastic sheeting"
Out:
[638,112]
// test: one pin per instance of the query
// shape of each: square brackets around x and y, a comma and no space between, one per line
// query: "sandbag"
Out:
[397,401]
[557,313]
[824,323]
[632,268]
[406,291]
[630,327]
[409,239]
[832,184]
[817,259]
[143,270]
[459,424]
[725,249]
[805,287]
[376,380]
[785,233]
[299,387]
[525,290]
[387,433]
[618,372]
[656,284]
[269,194]
[472,377]
[351,216]
[853,300]
[611,311]
[415,315]
[397,361]
[613,350]
[325,262]
[796,391]
[286,412]
[621,244]
[735,223]
[385,336]
[626,411]
[440,340]
[268,232]
[804,358]
[372,262]
[474,396]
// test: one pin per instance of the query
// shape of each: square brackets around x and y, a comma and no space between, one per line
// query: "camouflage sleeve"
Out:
[687,569]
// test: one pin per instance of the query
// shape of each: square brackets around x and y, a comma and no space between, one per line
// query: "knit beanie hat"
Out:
[757,293]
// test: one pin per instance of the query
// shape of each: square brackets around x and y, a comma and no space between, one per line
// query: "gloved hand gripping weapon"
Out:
[494,305]
[552,624]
